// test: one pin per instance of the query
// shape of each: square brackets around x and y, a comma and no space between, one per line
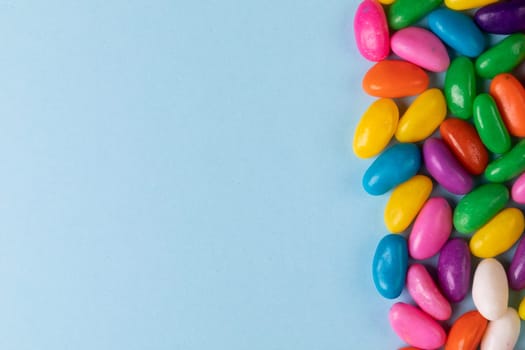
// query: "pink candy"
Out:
[371,31]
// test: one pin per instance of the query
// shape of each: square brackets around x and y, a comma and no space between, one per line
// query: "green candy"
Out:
[507,166]
[502,57]
[489,124]
[403,13]
[460,87]
[479,206]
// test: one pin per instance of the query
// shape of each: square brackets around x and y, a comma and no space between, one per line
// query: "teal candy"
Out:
[389,267]
[392,167]
[458,31]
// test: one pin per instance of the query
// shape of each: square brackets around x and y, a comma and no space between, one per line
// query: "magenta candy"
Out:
[516,272]
[502,17]
[518,190]
[371,31]
[431,229]
[454,269]
[445,168]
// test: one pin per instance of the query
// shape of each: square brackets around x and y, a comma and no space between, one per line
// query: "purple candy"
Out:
[445,168]
[516,273]
[502,17]
[454,269]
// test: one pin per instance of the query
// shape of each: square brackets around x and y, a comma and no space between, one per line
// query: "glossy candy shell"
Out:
[509,95]
[403,13]
[389,266]
[490,291]
[454,269]
[508,166]
[503,333]
[489,124]
[460,87]
[516,272]
[502,57]
[466,333]
[371,31]
[467,4]
[502,17]
[518,190]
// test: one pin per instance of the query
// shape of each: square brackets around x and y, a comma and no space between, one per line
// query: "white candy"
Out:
[503,333]
[490,290]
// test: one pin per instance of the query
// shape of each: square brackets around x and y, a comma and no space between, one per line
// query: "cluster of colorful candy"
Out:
[474,160]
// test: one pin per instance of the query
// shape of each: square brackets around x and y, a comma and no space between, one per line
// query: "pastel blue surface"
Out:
[178,175]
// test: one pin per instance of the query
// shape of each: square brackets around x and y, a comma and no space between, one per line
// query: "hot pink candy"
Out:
[416,327]
[431,229]
[518,190]
[371,31]
[421,47]
[426,294]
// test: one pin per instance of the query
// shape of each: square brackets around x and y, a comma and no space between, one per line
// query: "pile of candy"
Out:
[477,156]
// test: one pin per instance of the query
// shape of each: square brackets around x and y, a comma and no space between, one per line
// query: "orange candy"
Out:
[392,79]
[463,140]
[510,99]
[467,331]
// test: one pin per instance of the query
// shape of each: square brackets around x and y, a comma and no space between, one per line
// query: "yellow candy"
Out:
[423,117]
[405,202]
[386,2]
[499,234]
[521,310]
[376,128]
[467,4]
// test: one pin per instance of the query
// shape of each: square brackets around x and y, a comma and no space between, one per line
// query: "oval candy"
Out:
[403,13]
[489,124]
[426,294]
[421,47]
[516,272]
[394,166]
[502,57]
[445,168]
[465,144]
[508,166]
[467,4]
[393,79]
[431,229]
[509,95]
[518,190]
[467,331]
[376,128]
[458,31]
[499,234]
[479,206]
[454,269]
[490,291]
[371,31]
[423,117]
[521,309]
[416,327]
[502,17]
[389,266]
[405,202]
[503,333]
[460,87]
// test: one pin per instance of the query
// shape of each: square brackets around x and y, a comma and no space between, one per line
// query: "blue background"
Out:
[178,175]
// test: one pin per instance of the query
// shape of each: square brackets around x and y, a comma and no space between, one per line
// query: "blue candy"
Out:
[395,165]
[458,31]
[390,264]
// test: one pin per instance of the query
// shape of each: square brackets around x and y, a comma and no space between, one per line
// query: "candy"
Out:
[467,4]
[516,273]
[521,310]
[431,229]
[423,117]
[518,190]
[490,291]
[391,79]
[405,202]
[509,95]
[389,266]
[479,206]
[499,234]
[466,333]
[502,57]
[394,166]
[460,87]
[489,124]
[454,269]
[426,294]
[371,31]
[464,142]
[444,168]
[403,12]
[421,47]
[503,333]
[458,31]
[508,165]
[416,327]
[502,17]
[376,128]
